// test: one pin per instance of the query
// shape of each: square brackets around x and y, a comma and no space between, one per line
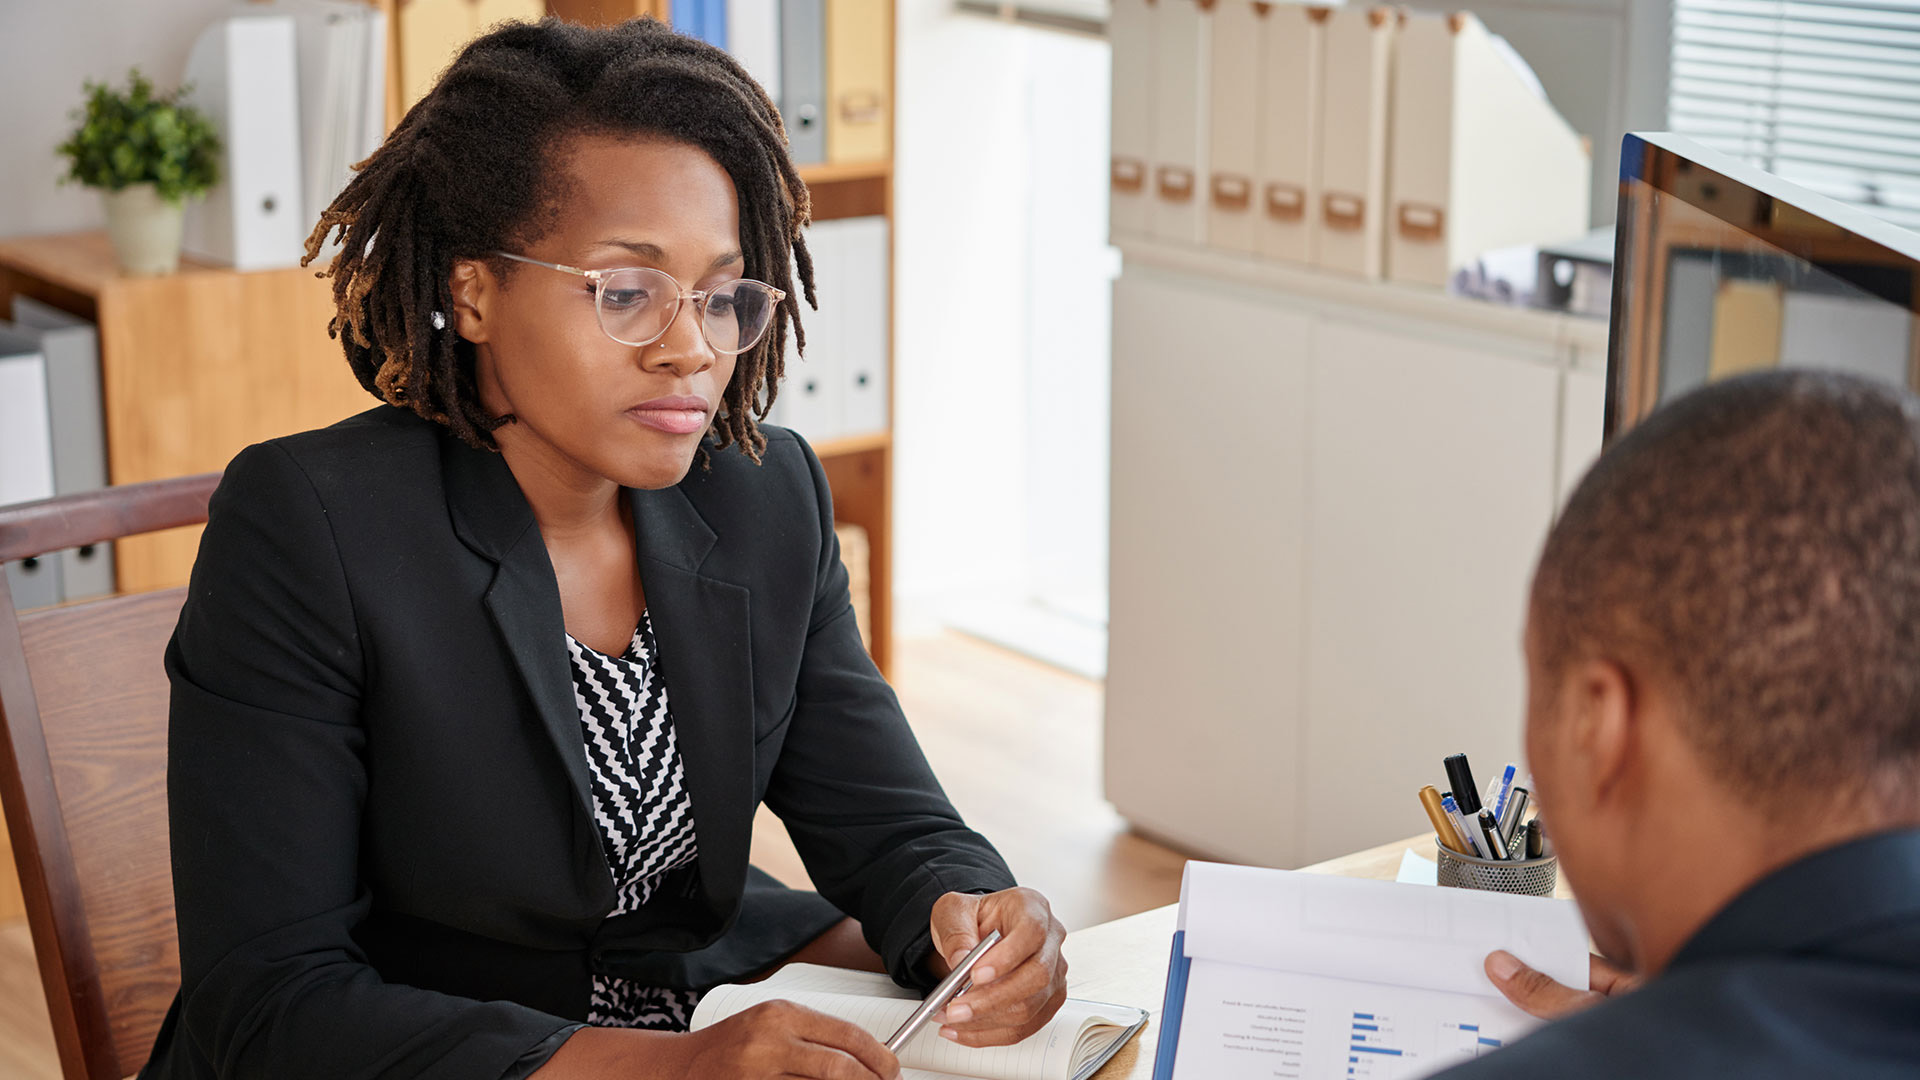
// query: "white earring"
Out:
[438,319]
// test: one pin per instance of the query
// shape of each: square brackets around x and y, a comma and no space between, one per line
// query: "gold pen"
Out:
[1442,825]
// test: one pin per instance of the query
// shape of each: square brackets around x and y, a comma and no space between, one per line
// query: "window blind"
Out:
[1825,93]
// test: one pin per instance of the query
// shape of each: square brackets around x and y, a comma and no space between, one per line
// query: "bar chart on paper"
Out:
[1380,1048]
[1292,976]
[1243,1023]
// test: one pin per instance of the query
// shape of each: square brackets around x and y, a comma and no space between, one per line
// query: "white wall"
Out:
[1000,402]
[960,386]
[1070,325]
[48,48]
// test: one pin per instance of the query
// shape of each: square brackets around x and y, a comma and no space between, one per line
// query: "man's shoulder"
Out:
[1748,1019]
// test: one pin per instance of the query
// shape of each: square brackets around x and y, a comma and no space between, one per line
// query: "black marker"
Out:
[1460,779]
[1536,840]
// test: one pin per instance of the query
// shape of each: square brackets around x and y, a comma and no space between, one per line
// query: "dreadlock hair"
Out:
[472,169]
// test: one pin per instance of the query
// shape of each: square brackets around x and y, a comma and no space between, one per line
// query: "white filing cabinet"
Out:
[1327,497]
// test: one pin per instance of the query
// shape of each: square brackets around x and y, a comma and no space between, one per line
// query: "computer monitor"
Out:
[1722,268]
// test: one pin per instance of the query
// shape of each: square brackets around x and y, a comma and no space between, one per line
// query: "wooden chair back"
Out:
[83,769]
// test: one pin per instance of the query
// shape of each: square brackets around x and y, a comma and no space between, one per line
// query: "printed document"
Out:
[1295,976]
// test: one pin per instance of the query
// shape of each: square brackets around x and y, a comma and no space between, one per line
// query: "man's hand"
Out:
[1540,995]
[1019,984]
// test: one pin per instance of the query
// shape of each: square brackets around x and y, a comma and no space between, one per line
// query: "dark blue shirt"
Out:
[1812,972]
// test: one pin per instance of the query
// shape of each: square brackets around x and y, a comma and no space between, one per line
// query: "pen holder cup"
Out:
[1528,877]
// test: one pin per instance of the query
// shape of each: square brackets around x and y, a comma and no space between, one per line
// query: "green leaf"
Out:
[136,135]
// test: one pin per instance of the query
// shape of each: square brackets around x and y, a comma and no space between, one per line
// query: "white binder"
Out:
[26,437]
[864,269]
[76,429]
[340,46]
[244,72]
[373,116]
[1287,185]
[1130,28]
[813,398]
[753,37]
[1182,43]
[1480,161]
[1233,139]
[1354,98]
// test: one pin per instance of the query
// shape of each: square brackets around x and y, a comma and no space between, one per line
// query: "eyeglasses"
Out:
[637,304]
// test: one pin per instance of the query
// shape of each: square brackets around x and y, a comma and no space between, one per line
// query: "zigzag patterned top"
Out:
[640,803]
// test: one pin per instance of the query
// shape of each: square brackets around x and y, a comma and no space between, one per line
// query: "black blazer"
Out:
[385,858]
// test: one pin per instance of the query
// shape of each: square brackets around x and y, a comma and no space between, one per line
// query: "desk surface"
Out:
[1125,961]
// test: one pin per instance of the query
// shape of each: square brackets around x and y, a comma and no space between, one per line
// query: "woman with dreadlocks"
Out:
[475,694]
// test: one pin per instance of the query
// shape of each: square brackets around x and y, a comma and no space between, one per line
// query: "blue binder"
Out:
[1171,1007]
[704,19]
[689,16]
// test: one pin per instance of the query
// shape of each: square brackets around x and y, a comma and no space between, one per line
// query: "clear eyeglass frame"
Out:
[700,298]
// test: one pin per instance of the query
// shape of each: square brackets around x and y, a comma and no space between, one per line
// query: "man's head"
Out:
[1723,648]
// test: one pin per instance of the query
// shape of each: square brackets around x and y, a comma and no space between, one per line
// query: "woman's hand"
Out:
[1538,994]
[1019,984]
[781,1039]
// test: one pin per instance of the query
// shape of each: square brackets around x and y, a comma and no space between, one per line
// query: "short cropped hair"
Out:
[1758,541]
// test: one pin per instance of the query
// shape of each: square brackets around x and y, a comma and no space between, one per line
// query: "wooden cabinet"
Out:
[1430,487]
[194,366]
[1207,563]
[1318,586]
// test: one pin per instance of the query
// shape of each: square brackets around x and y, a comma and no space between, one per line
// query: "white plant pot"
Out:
[145,229]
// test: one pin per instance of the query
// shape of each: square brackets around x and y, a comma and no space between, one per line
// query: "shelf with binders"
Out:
[1375,143]
[187,384]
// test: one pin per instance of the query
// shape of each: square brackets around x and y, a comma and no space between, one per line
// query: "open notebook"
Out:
[1077,1041]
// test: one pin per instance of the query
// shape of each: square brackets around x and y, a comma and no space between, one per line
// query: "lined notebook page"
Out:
[876,1005]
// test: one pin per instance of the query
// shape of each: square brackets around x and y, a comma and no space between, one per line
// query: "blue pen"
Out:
[1497,794]
[1471,836]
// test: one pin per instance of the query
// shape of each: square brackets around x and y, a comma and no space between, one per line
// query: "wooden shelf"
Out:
[857,189]
[194,366]
[822,174]
[853,444]
[81,263]
[1586,336]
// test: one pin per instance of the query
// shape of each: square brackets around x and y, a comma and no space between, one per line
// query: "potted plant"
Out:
[147,153]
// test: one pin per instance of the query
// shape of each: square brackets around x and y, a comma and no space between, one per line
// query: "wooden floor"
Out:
[26,1042]
[1015,743]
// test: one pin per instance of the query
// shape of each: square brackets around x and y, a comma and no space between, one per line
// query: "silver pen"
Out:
[955,984]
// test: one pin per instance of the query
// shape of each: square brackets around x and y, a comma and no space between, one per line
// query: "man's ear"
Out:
[1601,724]
[473,289]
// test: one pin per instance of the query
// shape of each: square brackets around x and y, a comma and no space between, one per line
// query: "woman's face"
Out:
[581,398]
